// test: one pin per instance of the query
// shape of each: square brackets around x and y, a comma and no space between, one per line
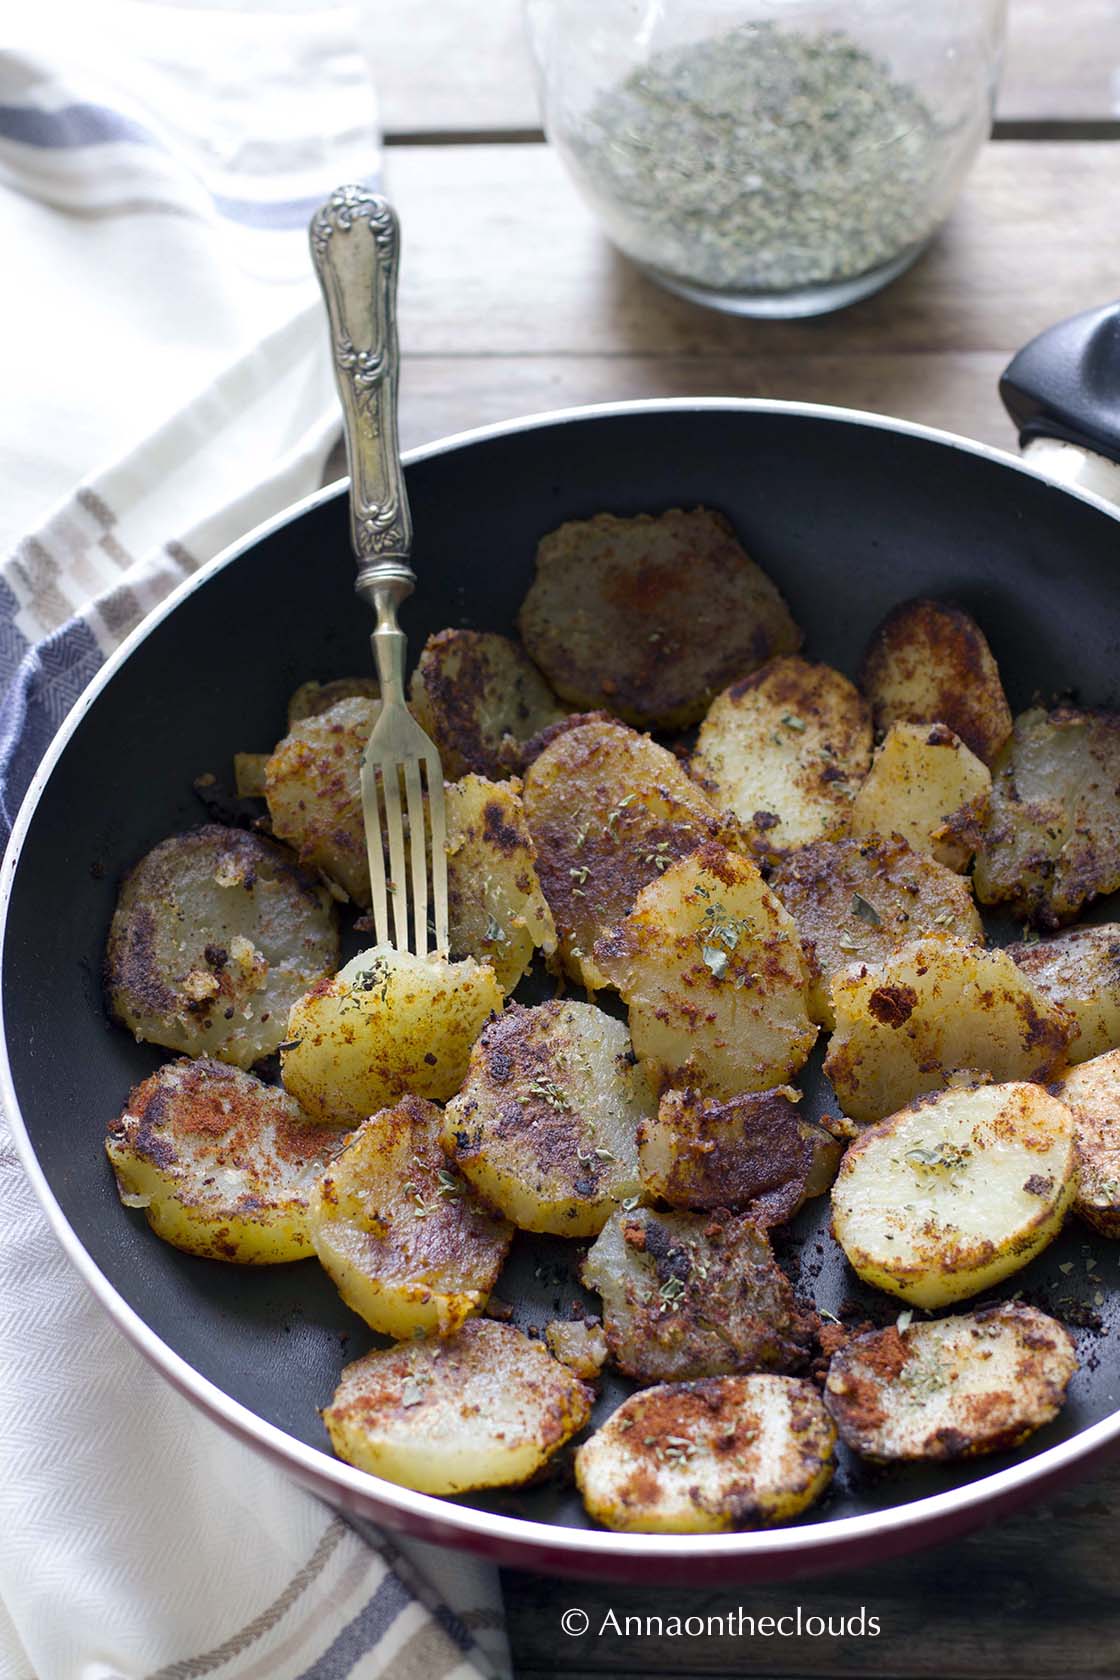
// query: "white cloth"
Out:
[166,388]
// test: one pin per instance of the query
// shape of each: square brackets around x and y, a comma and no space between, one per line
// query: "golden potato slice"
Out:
[1053,841]
[1092,1093]
[860,900]
[925,785]
[608,810]
[930,663]
[691,1295]
[933,1009]
[786,749]
[487,1407]
[751,1151]
[651,616]
[248,774]
[222,1164]
[388,1023]
[953,1387]
[313,786]
[706,1457]
[404,1240]
[311,699]
[956,1192]
[712,973]
[545,1127]
[1080,971]
[216,933]
[497,910]
[578,1343]
[479,698]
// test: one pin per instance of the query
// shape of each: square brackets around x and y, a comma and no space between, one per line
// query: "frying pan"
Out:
[849,513]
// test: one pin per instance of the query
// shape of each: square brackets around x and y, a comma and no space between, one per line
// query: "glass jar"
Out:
[769,157]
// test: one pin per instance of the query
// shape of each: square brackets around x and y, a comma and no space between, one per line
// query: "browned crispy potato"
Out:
[1053,841]
[1080,970]
[651,616]
[711,971]
[545,1126]
[388,1023]
[578,1343]
[222,1164]
[215,935]
[786,749]
[313,698]
[930,663]
[479,698]
[314,790]
[926,785]
[953,1387]
[932,1009]
[859,900]
[486,1407]
[686,1295]
[1092,1094]
[952,1194]
[497,911]
[608,810]
[705,1457]
[753,1151]
[402,1237]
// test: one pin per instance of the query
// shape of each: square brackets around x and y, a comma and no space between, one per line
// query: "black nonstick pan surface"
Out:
[849,515]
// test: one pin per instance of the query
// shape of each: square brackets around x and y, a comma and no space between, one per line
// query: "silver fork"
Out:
[355,246]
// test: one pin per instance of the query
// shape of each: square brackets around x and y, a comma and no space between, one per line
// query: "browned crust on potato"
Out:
[479,696]
[651,616]
[920,638]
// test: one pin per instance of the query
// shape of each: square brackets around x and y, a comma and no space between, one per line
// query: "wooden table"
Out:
[511,302]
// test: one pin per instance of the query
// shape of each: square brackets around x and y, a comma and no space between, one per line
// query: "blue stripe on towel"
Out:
[80,124]
[50,678]
[361,1634]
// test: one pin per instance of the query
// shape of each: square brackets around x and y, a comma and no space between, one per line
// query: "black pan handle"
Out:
[1065,384]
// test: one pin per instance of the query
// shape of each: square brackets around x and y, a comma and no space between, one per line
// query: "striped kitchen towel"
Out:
[166,389]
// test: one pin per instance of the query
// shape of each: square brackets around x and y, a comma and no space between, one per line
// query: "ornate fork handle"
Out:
[355,246]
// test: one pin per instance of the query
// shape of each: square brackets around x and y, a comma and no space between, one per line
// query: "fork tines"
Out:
[418,773]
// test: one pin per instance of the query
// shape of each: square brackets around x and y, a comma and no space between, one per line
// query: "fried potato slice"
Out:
[953,1387]
[932,1009]
[706,1457]
[578,1343]
[951,1195]
[479,698]
[216,933]
[608,810]
[712,973]
[311,699]
[222,1164]
[1091,1091]
[313,786]
[497,910]
[1080,971]
[785,750]
[753,1151]
[860,900]
[1053,841]
[687,1295]
[545,1126]
[486,1407]
[248,774]
[928,662]
[926,785]
[387,1024]
[650,616]
[407,1245]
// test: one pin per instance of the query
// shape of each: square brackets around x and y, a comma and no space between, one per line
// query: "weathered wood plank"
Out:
[454,66]
[1035,1596]
[512,300]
